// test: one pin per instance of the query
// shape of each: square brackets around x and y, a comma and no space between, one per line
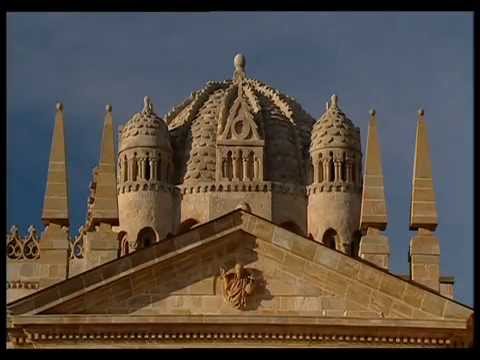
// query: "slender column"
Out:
[337,164]
[349,170]
[234,165]
[245,168]
[326,168]
[260,168]
[316,170]
[130,168]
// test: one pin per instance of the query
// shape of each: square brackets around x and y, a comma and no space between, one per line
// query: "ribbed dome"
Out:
[280,122]
[145,128]
[334,129]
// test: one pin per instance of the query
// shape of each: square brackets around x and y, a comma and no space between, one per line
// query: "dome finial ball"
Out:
[421,112]
[239,61]
[59,106]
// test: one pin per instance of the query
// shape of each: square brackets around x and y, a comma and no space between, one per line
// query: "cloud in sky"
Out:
[393,62]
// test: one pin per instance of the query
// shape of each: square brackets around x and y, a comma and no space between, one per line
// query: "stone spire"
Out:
[424,246]
[374,245]
[374,210]
[55,206]
[105,207]
[423,211]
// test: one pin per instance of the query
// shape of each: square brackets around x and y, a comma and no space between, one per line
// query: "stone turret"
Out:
[145,175]
[424,253]
[374,245]
[334,194]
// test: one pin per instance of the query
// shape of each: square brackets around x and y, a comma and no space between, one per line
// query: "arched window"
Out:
[146,237]
[122,244]
[147,168]
[320,168]
[250,164]
[134,167]
[159,168]
[292,226]
[186,225]
[125,168]
[229,165]
[354,170]
[240,165]
[330,238]
[331,170]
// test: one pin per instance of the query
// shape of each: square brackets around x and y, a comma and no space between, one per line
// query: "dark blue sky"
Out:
[393,62]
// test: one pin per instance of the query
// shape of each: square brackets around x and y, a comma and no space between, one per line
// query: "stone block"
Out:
[348,267]
[326,257]
[294,263]
[333,303]
[370,276]
[304,248]
[270,250]
[263,229]
[456,311]
[381,302]
[402,309]
[392,286]
[433,304]
[413,295]
[359,293]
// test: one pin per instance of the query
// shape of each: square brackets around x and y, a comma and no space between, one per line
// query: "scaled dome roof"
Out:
[282,123]
[335,129]
[145,129]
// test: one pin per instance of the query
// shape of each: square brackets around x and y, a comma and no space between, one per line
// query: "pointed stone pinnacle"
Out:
[55,206]
[423,211]
[105,207]
[373,209]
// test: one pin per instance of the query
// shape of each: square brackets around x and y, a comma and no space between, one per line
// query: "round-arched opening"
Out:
[122,243]
[146,237]
[186,225]
[292,226]
[330,238]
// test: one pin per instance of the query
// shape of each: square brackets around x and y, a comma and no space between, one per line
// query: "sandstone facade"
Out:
[234,220]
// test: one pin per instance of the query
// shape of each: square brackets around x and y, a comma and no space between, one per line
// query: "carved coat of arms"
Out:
[237,286]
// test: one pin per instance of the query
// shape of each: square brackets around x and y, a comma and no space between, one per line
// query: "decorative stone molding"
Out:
[242,186]
[156,186]
[147,339]
[19,284]
[23,248]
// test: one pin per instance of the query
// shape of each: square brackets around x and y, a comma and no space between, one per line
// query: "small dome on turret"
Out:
[145,128]
[334,129]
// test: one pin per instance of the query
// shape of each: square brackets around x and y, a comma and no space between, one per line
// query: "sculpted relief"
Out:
[237,286]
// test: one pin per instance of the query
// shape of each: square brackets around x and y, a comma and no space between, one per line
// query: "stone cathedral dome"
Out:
[195,126]
[145,128]
[335,129]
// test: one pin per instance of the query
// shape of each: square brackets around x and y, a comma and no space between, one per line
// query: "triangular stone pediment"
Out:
[294,276]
